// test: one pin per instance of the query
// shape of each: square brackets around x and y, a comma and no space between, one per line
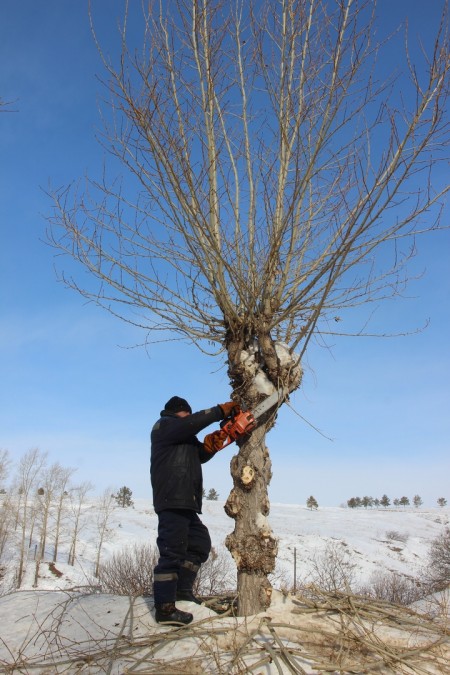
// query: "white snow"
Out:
[262,383]
[52,622]
[255,370]
[284,355]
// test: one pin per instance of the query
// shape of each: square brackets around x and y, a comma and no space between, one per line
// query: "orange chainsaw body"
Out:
[238,425]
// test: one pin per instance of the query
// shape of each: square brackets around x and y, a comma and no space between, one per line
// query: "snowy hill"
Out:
[372,539]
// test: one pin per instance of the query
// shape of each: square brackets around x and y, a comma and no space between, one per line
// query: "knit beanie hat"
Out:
[177,404]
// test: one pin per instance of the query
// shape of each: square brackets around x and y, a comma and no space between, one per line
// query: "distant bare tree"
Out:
[5,462]
[103,516]
[45,499]
[77,500]
[33,510]
[273,183]
[6,520]
[61,497]
[49,504]
[30,467]
[5,502]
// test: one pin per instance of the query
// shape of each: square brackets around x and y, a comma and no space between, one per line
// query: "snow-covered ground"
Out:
[60,623]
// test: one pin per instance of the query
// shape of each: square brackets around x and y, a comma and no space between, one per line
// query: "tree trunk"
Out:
[252,544]
[254,368]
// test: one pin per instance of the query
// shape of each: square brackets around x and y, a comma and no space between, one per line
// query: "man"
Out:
[176,475]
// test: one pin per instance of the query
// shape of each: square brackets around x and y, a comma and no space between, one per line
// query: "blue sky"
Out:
[74,384]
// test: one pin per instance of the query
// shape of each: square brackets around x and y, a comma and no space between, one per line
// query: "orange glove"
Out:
[213,442]
[228,408]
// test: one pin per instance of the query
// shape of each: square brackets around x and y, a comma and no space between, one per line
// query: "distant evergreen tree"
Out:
[367,501]
[123,497]
[376,502]
[311,503]
[351,503]
[404,501]
[212,495]
[417,501]
[442,502]
[396,501]
[385,501]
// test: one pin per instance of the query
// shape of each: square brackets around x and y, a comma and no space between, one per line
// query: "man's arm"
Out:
[181,429]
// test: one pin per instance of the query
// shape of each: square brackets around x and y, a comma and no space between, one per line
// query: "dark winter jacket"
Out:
[176,459]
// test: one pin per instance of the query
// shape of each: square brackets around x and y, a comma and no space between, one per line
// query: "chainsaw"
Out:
[244,421]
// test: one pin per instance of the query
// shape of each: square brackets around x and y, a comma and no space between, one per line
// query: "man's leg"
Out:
[172,541]
[197,552]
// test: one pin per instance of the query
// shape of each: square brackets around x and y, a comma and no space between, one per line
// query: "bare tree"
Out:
[77,498]
[4,465]
[6,511]
[103,517]
[30,467]
[273,183]
[49,501]
[5,502]
[61,496]
[45,499]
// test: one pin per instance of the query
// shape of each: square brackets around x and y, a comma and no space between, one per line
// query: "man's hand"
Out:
[228,408]
[213,442]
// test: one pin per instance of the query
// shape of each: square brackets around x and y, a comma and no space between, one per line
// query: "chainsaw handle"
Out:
[228,419]
[238,425]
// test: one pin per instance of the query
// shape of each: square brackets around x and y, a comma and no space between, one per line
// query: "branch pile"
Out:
[315,632]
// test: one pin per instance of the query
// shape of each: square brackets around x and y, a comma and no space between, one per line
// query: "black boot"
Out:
[188,595]
[185,583]
[167,613]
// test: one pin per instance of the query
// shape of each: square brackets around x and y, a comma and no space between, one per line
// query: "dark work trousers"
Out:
[184,544]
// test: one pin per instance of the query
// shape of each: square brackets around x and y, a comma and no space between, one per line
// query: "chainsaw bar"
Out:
[269,402]
[244,421]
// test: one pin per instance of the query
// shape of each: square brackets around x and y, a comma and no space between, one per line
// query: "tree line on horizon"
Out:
[358,502]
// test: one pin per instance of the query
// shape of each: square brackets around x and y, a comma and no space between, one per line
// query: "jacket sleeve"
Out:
[182,429]
[203,455]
